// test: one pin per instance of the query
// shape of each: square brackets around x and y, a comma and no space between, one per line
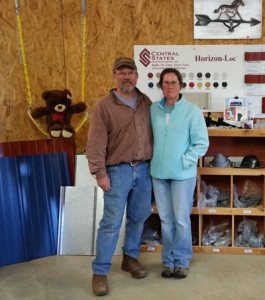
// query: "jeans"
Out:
[174,200]
[131,187]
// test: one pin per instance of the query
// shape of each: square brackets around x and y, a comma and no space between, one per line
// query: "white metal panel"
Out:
[80,213]
[82,173]
[77,220]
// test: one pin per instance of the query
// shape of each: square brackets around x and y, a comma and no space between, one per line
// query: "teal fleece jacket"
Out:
[179,143]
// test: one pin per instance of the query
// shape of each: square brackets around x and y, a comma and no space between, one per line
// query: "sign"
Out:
[234,19]
[214,69]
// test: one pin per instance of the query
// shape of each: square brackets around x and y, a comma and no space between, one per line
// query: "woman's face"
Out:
[171,86]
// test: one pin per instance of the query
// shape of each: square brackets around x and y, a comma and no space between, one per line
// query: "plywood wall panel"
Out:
[52,36]
[72,31]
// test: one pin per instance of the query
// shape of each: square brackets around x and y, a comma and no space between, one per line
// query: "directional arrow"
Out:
[204,20]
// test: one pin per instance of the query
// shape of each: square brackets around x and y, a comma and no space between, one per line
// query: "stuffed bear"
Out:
[58,112]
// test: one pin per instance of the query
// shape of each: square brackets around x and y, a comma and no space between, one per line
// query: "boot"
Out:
[100,285]
[132,265]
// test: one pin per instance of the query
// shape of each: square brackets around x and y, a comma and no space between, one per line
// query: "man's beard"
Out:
[127,90]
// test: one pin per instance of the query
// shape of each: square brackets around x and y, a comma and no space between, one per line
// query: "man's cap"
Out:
[250,161]
[124,61]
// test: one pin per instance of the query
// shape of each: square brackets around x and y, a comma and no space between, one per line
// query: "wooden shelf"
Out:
[228,250]
[231,171]
[231,143]
[236,132]
[248,211]
[211,250]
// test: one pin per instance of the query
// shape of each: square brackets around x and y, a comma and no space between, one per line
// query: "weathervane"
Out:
[230,12]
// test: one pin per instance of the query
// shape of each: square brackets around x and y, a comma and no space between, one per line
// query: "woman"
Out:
[180,138]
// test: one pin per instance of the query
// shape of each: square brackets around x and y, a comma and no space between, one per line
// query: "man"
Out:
[118,150]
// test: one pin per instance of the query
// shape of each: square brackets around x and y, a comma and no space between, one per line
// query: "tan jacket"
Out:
[118,133]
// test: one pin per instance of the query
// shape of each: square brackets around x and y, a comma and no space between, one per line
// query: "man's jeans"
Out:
[174,199]
[131,186]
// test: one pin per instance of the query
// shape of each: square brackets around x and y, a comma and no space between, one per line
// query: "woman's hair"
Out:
[170,70]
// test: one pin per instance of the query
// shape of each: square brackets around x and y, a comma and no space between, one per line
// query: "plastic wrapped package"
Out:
[211,196]
[152,231]
[225,240]
[217,235]
[248,236]
[151,237]
[223,199]
[208,196]
[249,196]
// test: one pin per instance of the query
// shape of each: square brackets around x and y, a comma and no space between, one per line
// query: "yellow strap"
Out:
[26,75]
[24,62]
[84,118]
[83,58]
[82,121]
[38,125]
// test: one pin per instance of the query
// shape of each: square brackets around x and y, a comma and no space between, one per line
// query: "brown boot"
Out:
[181,272]
[132,265]
[100,285]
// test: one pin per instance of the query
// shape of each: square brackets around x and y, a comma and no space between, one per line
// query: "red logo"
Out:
[145,57]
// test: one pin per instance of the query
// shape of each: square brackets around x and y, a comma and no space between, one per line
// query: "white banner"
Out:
[216,70]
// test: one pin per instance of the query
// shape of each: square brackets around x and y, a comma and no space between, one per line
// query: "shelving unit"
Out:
[231,143]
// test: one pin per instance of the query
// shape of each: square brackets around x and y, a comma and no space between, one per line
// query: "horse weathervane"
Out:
[231,17]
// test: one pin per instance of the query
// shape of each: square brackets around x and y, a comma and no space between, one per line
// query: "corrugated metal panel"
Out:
[29,205]
[12,233]
[45,146]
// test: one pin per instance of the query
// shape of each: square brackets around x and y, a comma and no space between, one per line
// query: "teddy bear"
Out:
[58,111]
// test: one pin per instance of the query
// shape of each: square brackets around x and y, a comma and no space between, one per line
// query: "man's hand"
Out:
[104,183]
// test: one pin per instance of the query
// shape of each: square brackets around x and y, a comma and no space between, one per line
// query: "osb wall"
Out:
[52,39]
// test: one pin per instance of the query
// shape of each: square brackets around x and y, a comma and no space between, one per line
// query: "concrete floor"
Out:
[69,277]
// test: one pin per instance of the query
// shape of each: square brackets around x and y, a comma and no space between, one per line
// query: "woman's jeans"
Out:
[174,200]
[131,186]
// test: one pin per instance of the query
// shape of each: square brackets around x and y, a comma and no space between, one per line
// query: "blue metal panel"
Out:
[12,234]
[29,205]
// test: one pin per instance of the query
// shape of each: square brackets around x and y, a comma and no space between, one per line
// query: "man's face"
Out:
[125,79]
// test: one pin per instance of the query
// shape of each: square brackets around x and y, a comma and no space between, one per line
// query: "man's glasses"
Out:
[172,83]
[125,74]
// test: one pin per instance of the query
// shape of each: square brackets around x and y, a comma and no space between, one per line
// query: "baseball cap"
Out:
[220,161]
[124,61]
[250,161]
